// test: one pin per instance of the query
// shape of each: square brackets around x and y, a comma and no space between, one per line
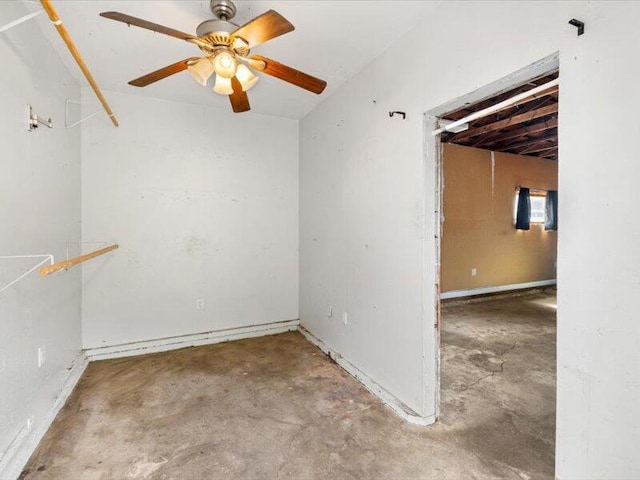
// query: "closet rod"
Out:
[53,16]
[56,267]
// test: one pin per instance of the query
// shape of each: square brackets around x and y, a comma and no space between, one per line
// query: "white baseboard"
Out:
[16,456]
[496,289]
[13,460]
[193,340]
[208,338]
[399,408]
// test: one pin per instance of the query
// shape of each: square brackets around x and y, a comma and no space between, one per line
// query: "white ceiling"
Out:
[333,40]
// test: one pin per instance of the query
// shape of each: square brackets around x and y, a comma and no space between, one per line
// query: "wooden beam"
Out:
[55,19]
[505,114]
[56,267]
[545,93]
[502,115]
[463,112]
[551,155]
[498,107]
[538,149]
[520,132]
[508,122]
[553,136]
[457,114]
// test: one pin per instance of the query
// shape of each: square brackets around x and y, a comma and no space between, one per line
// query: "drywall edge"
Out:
[399,408]
[499,288]
[17,455]
[191,340]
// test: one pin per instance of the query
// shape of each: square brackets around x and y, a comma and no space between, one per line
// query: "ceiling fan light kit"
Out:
[226,48]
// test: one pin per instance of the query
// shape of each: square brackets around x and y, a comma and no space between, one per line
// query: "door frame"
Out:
[433,159]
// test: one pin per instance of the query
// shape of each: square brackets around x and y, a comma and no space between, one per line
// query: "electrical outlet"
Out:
[474,272]
[200,304]
[29,424]
[41,358]
[330,311]
[345,318]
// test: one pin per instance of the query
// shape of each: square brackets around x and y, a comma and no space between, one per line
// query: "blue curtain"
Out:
[524,209]
[551,214]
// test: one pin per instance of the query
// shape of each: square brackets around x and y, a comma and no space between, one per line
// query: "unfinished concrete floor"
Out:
[276,407]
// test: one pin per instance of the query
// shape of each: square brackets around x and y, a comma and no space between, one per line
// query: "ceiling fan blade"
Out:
[239,99]
[138,22]
[288,74]
[265,27]
[164,72]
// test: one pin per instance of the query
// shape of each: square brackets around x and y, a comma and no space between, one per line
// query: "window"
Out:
[538,206]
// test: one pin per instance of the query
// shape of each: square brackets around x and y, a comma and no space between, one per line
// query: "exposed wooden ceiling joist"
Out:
[468,109]
[551,135]
[528,127]
[544,93]
[550,154]
[505,108]
[508,122]
[521,131]
[539,148]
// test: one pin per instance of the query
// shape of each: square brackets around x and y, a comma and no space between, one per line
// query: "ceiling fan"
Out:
[226,48]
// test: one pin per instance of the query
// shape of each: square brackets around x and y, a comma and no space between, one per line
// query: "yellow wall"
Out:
[478,229]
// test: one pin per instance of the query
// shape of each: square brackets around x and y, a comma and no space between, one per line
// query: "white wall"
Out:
[39,213]
[367,209]
[204,204]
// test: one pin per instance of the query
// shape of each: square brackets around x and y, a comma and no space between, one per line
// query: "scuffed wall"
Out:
[39,214]
[204,205]
[368,211]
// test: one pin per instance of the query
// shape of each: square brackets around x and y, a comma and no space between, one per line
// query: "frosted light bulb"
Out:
[225,64]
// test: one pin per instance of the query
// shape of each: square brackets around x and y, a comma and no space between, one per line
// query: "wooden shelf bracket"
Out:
[56,267]
[20,20]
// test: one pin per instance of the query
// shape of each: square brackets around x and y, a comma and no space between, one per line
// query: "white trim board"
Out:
[14,459]
[16,456]
[496,289]
[192,340]
[399,408]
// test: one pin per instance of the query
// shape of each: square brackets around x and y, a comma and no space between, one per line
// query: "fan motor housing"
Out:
[216,30]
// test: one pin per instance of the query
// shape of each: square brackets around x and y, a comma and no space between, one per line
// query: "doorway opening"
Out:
[497,154]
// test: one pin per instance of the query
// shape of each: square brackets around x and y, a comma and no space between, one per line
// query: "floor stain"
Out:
[275,407]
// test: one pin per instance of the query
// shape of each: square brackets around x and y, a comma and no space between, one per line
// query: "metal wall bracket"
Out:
[578,24]
[66,114]
[34,120]
[47,259]
[404,115]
